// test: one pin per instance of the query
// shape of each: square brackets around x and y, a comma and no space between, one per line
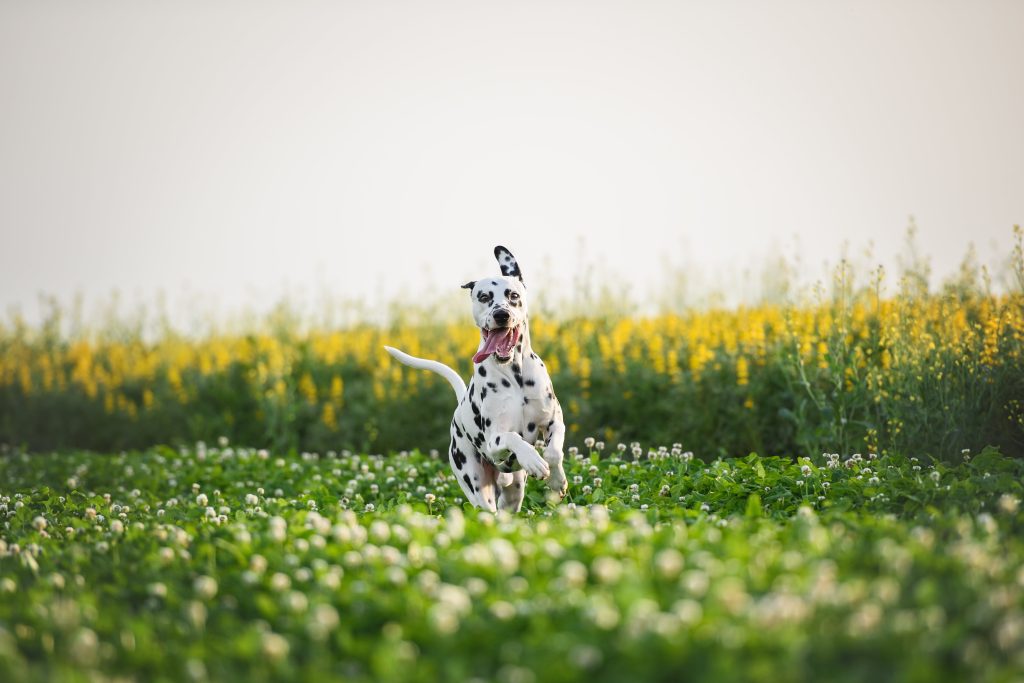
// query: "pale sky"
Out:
[226,152]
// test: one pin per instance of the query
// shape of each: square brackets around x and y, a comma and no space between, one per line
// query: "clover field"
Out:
[224,564]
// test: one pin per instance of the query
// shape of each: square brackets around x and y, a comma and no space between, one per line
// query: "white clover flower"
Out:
[606,569]
[574,573]
[370,507]
[589,442]
[297,601]
[669,563]
[502,610]
[278,529]
[1008,503]
[322,620]
[39,523]
[275,647]
[205,587]
[202,500]
[704,507]
[85,647]
[429,498]
[117,526]
[280,582]
[251,499]
[873,480]
[599,446]
[805,470]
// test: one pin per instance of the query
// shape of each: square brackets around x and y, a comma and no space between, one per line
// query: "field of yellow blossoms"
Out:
[928,373]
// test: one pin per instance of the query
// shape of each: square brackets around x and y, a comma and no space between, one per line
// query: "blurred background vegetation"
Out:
[866,362]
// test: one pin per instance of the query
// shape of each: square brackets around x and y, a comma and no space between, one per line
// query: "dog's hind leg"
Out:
[475,476]
[511,490]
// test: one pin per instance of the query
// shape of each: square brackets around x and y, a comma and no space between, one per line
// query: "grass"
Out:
[222,563]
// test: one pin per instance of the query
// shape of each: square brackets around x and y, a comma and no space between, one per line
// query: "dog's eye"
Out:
[484,297]
[514,296]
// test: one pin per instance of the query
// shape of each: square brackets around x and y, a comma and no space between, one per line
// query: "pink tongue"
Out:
[492,343]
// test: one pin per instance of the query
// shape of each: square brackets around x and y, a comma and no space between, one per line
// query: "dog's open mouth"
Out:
[499,341]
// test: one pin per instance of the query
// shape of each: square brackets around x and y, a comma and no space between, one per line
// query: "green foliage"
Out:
[217,563]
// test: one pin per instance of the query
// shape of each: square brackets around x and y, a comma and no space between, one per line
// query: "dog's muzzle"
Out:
[498,341]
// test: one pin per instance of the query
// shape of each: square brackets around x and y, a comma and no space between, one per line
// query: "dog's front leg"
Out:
[553,454]
[503,442]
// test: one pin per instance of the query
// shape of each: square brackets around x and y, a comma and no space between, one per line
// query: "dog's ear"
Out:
[470,285]
[507,262]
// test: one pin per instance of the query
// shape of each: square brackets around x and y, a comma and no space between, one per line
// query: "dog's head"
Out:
[499,308]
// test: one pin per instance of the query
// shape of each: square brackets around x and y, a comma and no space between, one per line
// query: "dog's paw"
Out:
[558,482]
[536,467]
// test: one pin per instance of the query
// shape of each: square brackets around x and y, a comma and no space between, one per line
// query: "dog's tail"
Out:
[440,368]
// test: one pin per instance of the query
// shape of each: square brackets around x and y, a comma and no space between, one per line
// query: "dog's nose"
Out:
[501,317]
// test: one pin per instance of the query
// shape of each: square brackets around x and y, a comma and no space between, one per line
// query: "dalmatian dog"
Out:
[509,405]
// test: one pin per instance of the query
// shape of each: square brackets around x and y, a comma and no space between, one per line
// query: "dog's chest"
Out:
[517,395]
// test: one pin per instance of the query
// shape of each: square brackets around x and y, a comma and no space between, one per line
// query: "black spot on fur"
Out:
[497,441]
[483,393]
[493,386]
[469,482]
[505,382]
[525,400]
[530,427]
[518,374]
[529,383]
[482,371]
[458,432]
[459,458]
[487,422]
